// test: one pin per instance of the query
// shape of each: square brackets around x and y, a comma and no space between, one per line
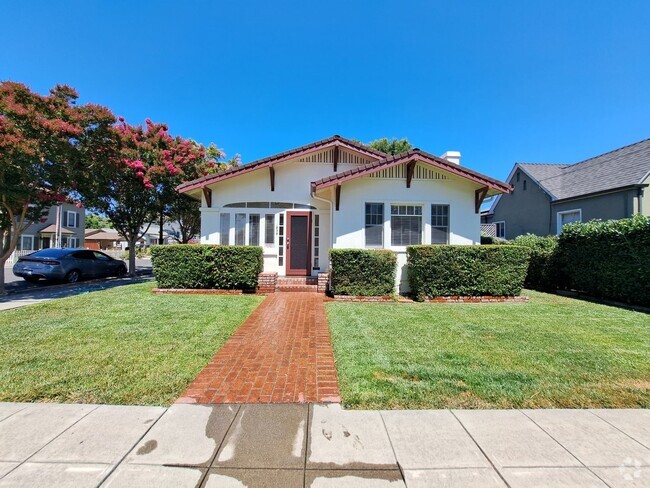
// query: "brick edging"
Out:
[451,299]
[194,291]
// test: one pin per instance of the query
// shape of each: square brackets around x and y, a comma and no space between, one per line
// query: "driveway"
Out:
[43,445]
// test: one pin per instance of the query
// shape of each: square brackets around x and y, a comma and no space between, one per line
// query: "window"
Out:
[254,230]
[86,255]
[224,229]
[567,217]
[405,225]
[518,176]
[26,243]
[316,241]
[70,219]
[374,224]
[439,224]
[69,242]
[101,256]
[281,240]
[240,229]
[269,229]
[500,229]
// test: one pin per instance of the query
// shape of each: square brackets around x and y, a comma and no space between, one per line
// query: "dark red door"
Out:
[298,243]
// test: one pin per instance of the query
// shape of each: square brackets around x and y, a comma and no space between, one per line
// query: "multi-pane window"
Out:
[405,225]
[224,229]
[500,228]
[71,219]
[269,229]
[254,229]
[281,240]
[316,241]
[26,243]
[240,229]
[439,224]
[374,224]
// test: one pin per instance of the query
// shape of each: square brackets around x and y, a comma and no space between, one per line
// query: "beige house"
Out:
[62,226]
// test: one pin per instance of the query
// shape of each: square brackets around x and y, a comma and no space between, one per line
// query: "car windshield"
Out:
[50,253]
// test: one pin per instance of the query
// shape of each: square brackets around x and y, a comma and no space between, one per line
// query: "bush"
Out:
[489,240]
[466,270]
[360,272]
[206,266]
[609,259]
[541,269]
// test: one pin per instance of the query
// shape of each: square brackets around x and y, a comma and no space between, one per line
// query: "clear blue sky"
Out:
[499,81]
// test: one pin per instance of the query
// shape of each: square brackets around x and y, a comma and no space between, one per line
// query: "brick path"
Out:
[281,354]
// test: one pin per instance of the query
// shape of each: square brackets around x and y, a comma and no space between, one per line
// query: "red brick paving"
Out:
[281,354]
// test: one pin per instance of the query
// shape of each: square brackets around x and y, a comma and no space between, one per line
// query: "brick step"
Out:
[296,280]
[297,288]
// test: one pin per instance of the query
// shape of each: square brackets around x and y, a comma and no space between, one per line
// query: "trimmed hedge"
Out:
[361,272]
[541,270]
[497,270]
[607,259]
[207,266]
[489,240]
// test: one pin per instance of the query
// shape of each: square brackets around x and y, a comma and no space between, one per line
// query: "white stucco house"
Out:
[337,193]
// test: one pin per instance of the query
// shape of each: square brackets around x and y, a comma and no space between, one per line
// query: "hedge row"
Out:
[542,273]
[607,259]
[497,270]
[206,266]
[362,272]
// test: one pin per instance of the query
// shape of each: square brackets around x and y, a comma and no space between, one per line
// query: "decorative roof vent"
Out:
[452,157]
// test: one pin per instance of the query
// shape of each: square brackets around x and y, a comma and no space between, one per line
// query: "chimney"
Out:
[452,157]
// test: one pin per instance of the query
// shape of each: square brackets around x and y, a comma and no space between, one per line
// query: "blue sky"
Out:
[499,81]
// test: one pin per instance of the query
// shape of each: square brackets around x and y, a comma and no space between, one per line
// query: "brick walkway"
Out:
[281,354]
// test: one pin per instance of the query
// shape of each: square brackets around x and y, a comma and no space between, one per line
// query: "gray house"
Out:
[62,225]
[547,196]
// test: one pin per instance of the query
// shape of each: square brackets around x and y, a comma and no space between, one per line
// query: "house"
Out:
[547,196]
[338,193]
[110,239]
[63,225]
[103,239]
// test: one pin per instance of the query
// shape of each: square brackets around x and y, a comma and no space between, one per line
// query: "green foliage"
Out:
[391,146]
[466,270]
[489,240]
[361,272]
[94,221]
[542,267]
[607,259]
[206,266]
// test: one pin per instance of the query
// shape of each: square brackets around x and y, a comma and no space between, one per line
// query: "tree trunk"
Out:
[2,276]
[160,232]
[132,256]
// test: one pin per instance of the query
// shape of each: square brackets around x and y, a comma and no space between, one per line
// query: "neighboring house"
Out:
[62,226]
[337,193]
[110,239]
[547,196]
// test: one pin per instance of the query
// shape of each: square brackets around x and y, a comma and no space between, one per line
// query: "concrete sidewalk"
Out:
[319,446]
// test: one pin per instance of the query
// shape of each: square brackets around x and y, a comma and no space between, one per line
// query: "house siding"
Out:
[524,211]
[618,205]
[50,218]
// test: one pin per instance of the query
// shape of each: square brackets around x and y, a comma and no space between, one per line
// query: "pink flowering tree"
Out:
[42,142]
[141,176]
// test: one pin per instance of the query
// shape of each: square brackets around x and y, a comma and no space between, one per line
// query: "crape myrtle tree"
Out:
[42,139]
[146,163]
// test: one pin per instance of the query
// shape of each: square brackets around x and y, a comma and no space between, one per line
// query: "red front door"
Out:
[298,243]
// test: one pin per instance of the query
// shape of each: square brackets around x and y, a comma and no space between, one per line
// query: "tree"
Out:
[185,212]
[95,221]
[143,168]
[392,146]
[40,152]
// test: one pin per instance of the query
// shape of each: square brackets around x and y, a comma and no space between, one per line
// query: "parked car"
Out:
[69,265]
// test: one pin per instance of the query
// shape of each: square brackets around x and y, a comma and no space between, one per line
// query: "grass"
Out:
[118,346]
[550,352]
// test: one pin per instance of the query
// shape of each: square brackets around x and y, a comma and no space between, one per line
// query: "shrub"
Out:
[466,270]
[206,266]
[609,259]
[361,272]
[489,240]
[541,269]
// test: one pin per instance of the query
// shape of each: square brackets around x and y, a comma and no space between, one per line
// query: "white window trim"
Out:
[75,218]
[21,242]
[504,228]
[429,223]
[563,212]
[426,225]
[383,226]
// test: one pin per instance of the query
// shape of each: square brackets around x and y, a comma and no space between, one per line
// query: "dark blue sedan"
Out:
[69,265]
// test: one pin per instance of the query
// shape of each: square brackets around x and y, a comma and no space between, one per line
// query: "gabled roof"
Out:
[335,140]
[623,167]
[413,155]
[51,229]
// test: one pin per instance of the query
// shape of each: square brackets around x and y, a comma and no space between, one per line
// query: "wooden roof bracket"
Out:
[338,197]
[272,175]
[207,193]
[479,196]
[410,169]
[335,157]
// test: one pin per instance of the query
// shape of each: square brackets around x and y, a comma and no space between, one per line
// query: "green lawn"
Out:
[550,352]
[119,346]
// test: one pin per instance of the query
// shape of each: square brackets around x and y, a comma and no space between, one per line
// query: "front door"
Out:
[298,243]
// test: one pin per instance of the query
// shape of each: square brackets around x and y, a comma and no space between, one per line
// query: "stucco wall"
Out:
[619,205]
[524,211]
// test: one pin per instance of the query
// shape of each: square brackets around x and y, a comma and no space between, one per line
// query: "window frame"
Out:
[431,226]
[422,223]
[496,229]
[30,236]
[249,222]
[75,219]
[237,229]
[224,237]
[380,225]
[564,212]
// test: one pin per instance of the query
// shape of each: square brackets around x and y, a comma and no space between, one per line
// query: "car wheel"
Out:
[32,279]
[121,272]
[72,276]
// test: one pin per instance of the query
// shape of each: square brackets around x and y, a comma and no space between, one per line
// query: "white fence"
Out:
[489,230]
